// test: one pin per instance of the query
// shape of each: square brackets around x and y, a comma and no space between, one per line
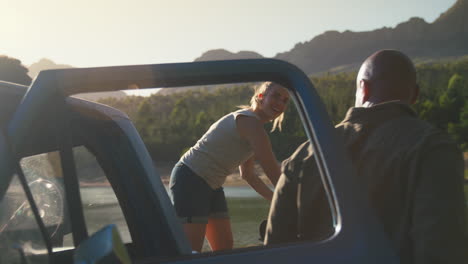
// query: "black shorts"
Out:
[194,200]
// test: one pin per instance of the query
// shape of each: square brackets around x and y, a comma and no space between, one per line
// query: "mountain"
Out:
[44,64]
[451,28]
[337,51]
[445,37]
[222,54]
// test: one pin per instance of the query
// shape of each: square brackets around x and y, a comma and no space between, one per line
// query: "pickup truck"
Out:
[44,127]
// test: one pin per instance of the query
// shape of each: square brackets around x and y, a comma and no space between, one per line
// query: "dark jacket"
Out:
[414,177]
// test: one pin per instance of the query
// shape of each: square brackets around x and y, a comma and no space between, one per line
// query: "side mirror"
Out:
[104,246]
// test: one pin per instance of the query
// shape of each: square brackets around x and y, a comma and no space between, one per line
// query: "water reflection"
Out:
[246,207]
[95,196]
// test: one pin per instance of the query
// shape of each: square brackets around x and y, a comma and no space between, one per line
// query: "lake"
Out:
[246,208]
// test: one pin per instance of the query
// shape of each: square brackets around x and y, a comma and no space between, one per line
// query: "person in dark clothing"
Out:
[413,172]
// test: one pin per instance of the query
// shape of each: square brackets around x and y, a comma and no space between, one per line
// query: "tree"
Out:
[452,101]
[11,70]
[201,123]
[171,123]
[459,131]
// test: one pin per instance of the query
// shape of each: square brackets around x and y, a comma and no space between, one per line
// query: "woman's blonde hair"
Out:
[264,88]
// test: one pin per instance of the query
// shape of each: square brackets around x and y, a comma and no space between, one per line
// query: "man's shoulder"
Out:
[421,130]
[392,126]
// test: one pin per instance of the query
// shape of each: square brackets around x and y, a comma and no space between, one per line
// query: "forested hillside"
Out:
[169,124]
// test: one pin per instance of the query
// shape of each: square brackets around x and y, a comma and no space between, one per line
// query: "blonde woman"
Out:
[235,140]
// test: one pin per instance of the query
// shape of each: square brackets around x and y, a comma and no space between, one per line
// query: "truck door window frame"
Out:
[357,232]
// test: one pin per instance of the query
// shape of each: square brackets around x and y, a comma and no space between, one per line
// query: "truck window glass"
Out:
[20,238]
[44,175]
[171,120]
[100,203]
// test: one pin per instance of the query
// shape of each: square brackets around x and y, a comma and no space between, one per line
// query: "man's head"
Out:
[386,75]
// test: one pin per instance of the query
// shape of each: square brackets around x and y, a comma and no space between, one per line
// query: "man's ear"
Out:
[362,93]
[415,94]
[365,86]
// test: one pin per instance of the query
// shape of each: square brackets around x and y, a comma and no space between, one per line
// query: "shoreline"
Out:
[232,180]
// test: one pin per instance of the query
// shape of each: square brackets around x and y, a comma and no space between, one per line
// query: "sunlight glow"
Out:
[121,32]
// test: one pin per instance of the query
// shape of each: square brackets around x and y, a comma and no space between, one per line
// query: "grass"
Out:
[246,215]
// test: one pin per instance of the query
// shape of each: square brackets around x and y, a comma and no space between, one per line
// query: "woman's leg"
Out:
[219,233]
[195,234]
[218,229]
[191,198]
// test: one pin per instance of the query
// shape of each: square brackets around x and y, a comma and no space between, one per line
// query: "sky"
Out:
[90,33]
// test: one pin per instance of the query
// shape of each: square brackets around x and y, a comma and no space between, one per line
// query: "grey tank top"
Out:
[220,150]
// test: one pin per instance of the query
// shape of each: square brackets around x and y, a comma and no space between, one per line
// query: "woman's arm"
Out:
[247,173]
[252,130]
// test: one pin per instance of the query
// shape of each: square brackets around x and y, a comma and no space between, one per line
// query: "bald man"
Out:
[413,172]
